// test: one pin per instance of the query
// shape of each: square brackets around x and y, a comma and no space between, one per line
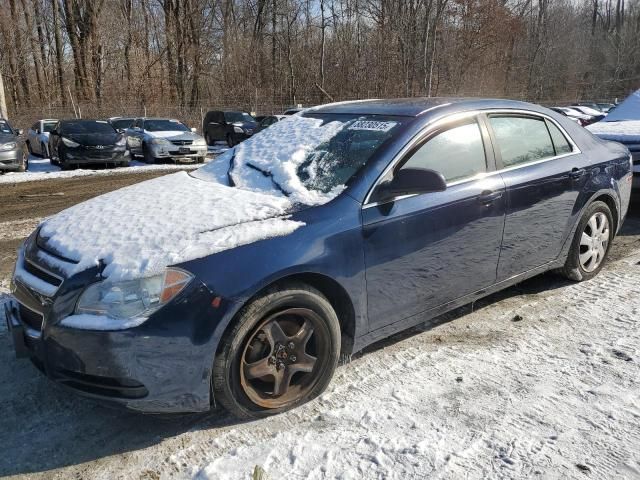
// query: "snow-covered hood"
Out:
[624,131]
[139,230]
[174,135]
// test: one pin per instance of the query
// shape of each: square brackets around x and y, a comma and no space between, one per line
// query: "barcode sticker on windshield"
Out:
[372,125]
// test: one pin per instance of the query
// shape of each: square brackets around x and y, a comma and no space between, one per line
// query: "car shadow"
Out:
[44,427]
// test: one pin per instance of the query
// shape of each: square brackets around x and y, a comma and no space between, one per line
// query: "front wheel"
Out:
[148,156]
[281,353]
[591,243]
[230,141]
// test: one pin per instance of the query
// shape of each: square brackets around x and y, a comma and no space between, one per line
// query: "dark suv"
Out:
[232,127]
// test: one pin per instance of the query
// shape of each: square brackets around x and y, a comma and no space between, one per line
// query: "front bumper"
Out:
[161,366]
[11,160]
[85,157]
[186,153]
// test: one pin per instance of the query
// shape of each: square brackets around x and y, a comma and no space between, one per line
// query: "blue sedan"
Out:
[328,231]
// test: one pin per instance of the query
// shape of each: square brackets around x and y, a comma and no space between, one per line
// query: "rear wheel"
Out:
[281,353]
[591,243]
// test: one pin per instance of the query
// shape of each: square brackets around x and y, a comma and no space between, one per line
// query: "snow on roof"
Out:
[629,109]
[139,230]
[621,131]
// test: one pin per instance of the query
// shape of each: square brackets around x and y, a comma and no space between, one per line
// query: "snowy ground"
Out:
[42,169]
[539,381]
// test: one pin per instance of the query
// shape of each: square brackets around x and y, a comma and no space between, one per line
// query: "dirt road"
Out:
[23,205]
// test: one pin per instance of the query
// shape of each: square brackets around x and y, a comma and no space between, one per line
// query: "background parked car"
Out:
[83,142]
[38,137]
[165,139]
[268,121]
[597,115]
[578,117]
[121,123]
[232,127]
[14,155]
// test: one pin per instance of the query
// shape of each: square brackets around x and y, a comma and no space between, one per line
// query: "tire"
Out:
[200,160]
[303,350]
[28,144]
[148,158]
[24,166]
[207,139]
[230,142]
[43,151]
[594,253]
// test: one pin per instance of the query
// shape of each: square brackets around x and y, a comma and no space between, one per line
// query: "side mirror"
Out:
[20,132]
[410,181]
[193,130]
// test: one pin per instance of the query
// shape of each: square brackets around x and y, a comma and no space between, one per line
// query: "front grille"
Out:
[182,143]
[31,318]
[42,274]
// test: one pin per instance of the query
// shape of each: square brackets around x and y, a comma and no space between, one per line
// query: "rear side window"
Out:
[560,142]
[457,153]
[521,139]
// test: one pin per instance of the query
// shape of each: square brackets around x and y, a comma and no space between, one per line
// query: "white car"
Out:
[38,137]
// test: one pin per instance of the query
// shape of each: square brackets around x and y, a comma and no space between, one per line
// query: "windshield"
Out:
[5,128]
[233,117]
[308,158]
[165,126]
[86,127]
[48,126]
[122,123]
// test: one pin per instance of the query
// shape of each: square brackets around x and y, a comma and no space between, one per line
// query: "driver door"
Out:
[425,250]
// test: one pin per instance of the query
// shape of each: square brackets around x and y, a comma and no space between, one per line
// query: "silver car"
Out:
[13,152]
[157,139]
[38,137]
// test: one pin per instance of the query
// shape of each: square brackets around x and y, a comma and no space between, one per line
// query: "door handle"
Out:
[577,173]
[487,197]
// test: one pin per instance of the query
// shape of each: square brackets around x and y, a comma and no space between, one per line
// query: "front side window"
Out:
[521,139]
[48,126]
[456,153]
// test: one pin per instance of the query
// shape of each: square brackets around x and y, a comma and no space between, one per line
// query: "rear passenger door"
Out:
[541,169]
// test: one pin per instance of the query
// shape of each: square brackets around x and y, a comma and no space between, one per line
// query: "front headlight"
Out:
[238,129]
[133,298]
[70,143]
[161,141]
[5,147]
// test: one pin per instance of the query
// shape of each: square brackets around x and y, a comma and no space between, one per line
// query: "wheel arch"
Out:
[610,201]
[335,293]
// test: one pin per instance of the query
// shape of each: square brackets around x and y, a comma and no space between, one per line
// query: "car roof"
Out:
[414,107]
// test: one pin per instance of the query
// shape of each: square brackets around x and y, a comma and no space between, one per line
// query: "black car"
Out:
[83,142]
[268,121]
[232,127]
[14,155]
[121,123]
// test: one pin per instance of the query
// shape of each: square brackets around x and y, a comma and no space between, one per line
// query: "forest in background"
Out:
[181,57]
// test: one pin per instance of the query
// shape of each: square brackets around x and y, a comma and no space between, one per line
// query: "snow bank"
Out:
[139,230]
[622,131]
[270,160]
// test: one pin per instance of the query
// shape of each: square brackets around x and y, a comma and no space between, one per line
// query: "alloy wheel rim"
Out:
[282,357]
[594,242]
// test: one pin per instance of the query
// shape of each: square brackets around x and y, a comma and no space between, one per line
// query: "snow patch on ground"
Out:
[139,230]
[42,169]
[622,131]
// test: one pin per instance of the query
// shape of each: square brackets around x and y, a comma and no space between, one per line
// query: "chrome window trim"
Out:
[437,123]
